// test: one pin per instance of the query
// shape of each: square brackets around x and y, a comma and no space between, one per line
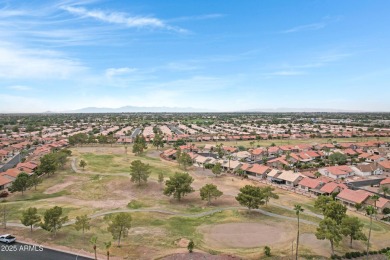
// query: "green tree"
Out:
[82,223]
[336,211]
[298,209]
[317,174]
[191,246]
[108,245]
[30,217]
[371,211]
[185,160]
[209,191]
[93,241]
[158,141]
[179,185]
[217,169]
[358,206]
[34,180]
[267,251]
[352,227]
[330,230]
[21,183]
[53,220]
[321,203]
[269,194]
[385,190]
[139,145]
[139,172]
[48,164]
[82,164]
[250,197]
[120,225]
[161,178]
[338,158]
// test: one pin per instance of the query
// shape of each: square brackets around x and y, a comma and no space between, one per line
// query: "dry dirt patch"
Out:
[59,187]
[245,235]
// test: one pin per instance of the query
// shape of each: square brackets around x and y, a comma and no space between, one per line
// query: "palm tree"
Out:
[93,241]
[298,209]
[385,190]
[108,246]
[374,198]
[370,211]
[229,157]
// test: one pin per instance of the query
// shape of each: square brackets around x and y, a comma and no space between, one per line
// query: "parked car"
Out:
[7,238]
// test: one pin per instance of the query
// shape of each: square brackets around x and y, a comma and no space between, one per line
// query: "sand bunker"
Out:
[245,235]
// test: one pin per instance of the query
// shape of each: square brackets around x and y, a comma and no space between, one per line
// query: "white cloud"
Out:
[286,73]
[121,18]
[19,87]
[18,62]
[20,104]
[306,27]
[112,72]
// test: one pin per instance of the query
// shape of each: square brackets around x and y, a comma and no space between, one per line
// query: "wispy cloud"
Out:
[112,72]
[306,27]
[313,26]
[19,88]
[196,17]
[286,73]
[121,18]
[20,62]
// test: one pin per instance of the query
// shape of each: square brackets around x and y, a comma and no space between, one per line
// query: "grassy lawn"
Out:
[290,142]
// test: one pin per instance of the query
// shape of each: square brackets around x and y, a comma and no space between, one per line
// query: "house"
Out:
[201,160]
[385,166]
[385,182]
[290,178]
[274,151]
[258,154]
[382,203]
[231,166]
[353,197]
[11,173]
[4,182]
[331,187]
[337,172]
[273,175]
[170,153]
[242,155]
[308,184]
[27,167]
[278,163]
[367,169]
[258,170]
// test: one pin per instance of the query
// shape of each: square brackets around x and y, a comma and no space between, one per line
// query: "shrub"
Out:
[135,204]
[348,255]
[4,194]
[267,251]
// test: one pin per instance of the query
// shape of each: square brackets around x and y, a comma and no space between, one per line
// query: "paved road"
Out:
[136,132]
[21,251]
[14,161]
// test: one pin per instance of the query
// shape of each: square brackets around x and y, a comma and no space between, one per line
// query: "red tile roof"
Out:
[385,181]
[310,183]
[355,196]
[331,186]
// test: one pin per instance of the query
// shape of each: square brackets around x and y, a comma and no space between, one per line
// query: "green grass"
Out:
[135,204]
[280,142]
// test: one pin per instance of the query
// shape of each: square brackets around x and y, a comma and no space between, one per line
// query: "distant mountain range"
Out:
[134,109]
[301,110]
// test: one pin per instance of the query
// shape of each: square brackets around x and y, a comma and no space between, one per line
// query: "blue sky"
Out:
[221,55]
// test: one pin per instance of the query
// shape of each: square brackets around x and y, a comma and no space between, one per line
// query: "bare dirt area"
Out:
[61,186]
[98,204]
[198,255]
[320,247]
[245,235]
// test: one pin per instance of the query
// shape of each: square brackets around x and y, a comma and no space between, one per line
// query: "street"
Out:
[21,251]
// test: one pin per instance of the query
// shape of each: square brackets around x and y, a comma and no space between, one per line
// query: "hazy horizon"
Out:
[222,56]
